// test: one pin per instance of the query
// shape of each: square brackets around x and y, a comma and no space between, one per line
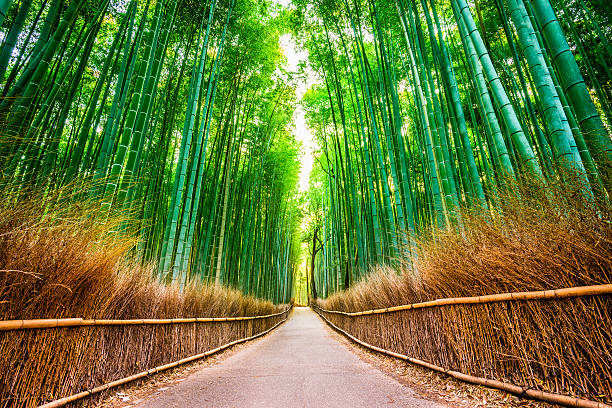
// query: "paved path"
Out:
[297,365]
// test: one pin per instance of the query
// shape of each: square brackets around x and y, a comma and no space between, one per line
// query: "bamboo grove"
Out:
[174,114]
[428,107]
[178,116]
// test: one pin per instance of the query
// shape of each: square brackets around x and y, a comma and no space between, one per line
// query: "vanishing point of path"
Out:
[297,365]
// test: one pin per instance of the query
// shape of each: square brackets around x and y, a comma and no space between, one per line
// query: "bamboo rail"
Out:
[66,400]
[500,297]
[559,399]
[7,325]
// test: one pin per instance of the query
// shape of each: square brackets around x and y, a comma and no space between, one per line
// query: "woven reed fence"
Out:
[558,342]
[76,355]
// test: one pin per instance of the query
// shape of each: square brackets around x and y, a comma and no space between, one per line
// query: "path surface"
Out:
[298,365]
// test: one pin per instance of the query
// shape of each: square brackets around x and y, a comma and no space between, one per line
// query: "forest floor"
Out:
[304,363]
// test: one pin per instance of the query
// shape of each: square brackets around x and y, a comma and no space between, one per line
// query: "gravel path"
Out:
[297,365]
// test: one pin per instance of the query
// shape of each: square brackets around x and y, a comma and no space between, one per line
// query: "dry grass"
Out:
[539,239]
[58,261]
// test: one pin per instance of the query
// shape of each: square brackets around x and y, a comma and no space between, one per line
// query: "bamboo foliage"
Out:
[99,93]
[431,117]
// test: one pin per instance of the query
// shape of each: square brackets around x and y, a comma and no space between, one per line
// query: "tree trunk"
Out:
[312,264]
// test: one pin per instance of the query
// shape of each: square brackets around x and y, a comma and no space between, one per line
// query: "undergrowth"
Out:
[536,238]
[60,260]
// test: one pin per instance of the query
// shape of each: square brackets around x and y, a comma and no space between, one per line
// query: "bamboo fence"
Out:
[550,345]
[66,400]
[44,360]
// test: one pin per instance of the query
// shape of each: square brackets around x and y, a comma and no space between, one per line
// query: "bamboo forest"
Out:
[430,178]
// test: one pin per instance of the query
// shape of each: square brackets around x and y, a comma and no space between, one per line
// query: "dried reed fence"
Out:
[46,363]
[75,397]
[534,344]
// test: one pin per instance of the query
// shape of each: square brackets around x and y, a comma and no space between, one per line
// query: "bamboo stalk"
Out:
[578,291]
[8,325]
[66,400]
[559,399]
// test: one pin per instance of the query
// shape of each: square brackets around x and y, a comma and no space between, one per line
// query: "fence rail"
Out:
[578,291]
[7,325]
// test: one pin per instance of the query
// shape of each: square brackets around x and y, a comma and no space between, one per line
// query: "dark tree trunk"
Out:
[312,264]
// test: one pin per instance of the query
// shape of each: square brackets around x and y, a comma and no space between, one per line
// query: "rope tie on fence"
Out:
[523,393]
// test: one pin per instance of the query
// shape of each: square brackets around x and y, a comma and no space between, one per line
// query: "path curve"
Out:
[298,365]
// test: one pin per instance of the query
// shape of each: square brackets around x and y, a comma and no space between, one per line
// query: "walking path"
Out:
[297,365]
